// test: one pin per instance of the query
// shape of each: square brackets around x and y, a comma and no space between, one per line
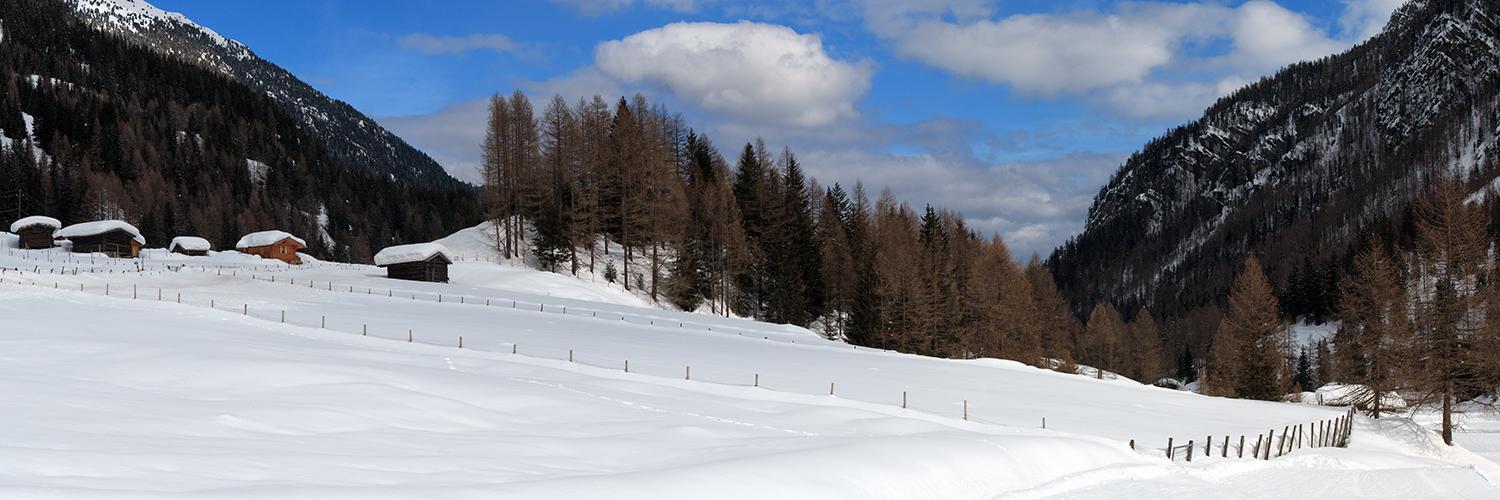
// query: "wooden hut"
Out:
[190,245]
[419,262]
[279,245]
[111,237]
[35,231]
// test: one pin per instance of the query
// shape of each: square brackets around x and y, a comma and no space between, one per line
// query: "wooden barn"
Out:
[419,262]
[190,245]
[279,245]
[110,237]
[35,231]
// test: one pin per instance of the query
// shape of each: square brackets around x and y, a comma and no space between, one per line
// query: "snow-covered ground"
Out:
[134,394]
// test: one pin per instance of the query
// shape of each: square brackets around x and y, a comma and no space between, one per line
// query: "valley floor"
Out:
[330,381]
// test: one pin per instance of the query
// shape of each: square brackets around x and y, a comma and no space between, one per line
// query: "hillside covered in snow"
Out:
[228,376]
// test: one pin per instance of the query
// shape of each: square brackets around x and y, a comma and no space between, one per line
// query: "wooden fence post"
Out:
[1190,450]
[903,399]
[1241,453]
[966,418]
[1225,454]
[1208,446]
[1284,446]
[1169,448]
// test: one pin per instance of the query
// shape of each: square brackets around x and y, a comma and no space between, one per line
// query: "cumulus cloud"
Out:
[1268,36]
[1133,59]
[1044,54]
[760,72]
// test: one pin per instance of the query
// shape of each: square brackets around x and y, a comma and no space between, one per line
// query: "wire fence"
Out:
[1325,433]
[416,336]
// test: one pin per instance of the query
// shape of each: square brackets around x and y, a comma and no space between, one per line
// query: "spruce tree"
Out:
[1103,339]
[1376,334]
[1251,353]
[1146,358]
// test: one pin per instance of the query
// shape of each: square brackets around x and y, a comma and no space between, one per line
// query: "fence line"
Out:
[1325,433]
[1333,432]
[321,322]
[330,286]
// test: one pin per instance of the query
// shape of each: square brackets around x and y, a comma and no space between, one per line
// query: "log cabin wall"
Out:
[115,243]
[434,270]
[36,237]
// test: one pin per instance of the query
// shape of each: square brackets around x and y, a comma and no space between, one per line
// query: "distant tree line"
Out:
[754,236]
[121,132]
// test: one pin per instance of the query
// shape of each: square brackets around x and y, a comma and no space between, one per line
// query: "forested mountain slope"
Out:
[98,127]
[1297,165]
[345,132]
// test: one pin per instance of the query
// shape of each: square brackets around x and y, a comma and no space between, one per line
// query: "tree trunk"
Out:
[1448,410]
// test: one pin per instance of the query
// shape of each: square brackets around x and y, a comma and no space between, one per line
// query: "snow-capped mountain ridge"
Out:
[1291,167]
[343,130]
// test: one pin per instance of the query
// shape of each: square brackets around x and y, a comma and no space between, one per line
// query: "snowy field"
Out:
[232,377]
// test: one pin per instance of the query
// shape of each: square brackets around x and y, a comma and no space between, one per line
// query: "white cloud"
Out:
[1139,59]
[1366,18]
[451,136]
[1045,54]
[751,71]
[1034,205]
[1268,36]
[1156,99]
[437,45]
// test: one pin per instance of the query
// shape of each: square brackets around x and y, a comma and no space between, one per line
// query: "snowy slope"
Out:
[135,395]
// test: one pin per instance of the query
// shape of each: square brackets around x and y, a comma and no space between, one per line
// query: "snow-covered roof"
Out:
[101,227]
[267,238]
[190,243]
[35,220]
[418,252]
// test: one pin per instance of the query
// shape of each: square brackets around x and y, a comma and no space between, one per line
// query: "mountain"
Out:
[344,131]
[1298,166]
[100,127]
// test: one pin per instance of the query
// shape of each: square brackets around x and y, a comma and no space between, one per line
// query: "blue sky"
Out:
[1011,112]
